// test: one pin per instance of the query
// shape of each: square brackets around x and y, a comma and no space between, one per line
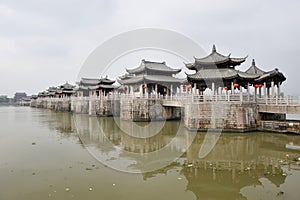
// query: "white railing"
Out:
[288,100]
[188,98]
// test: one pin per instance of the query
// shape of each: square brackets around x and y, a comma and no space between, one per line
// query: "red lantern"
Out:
[226,88]
[257,85]
[190,86]
[145,86]
[236,85]
[260,85]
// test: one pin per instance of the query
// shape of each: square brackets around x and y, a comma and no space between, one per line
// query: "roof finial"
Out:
[214,49]
[253,62]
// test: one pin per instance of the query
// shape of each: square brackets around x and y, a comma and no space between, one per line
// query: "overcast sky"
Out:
[44,43]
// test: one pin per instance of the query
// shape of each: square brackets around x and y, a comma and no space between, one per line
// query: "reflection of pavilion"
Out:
[236,161]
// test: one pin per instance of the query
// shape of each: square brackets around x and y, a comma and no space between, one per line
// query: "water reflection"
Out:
[237,161]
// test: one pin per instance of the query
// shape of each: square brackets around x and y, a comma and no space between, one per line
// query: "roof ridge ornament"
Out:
[253,62]
[214,49]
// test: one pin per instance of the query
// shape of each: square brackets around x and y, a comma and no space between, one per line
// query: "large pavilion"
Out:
[151,77]
[217,72]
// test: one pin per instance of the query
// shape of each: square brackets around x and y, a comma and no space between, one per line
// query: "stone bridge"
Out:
[276,105]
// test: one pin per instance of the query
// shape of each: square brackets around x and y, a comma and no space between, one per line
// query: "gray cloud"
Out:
[44,43]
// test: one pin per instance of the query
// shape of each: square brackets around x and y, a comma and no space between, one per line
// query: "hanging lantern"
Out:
[257,86]
[145,86]
[226,88]
[190,86]
[236,85]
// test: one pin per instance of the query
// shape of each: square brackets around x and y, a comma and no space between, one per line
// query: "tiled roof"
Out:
[153,66]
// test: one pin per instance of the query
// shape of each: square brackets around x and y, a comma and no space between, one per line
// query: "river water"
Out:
[52,155]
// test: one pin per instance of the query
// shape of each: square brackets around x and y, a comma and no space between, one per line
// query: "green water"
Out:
[49,155]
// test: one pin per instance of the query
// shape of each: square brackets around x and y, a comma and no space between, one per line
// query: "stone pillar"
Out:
[232,88]
[131,89]
[141,90]
[248,91]
[241,93]
[213,88]
[265,90]
[171,90]
[273,89]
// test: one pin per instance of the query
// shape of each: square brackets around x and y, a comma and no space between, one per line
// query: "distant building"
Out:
[19,95]
[4,99]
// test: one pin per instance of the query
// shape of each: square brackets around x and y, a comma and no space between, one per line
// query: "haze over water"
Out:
[43,155]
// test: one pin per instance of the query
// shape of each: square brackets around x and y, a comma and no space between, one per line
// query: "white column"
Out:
[248,91]
[131,89]
[232,88]
[265,89]
[241,93]
[171,88]
[141,90]
[213,88]
[273,89]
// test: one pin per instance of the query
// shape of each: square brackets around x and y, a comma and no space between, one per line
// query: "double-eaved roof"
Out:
[155,67]
[96,83]
[150,72]
[219,67]
[215,59]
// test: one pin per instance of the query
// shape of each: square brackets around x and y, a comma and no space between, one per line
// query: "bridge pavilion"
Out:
[151,77]
[95,86]
[218,71]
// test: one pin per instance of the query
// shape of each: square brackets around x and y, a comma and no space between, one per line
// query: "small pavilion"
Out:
[151,77]
[266,80]
[65,90]
[95,86]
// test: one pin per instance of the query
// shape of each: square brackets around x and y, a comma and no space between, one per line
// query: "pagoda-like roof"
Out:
[126,76]
[274,75]
[215,59]
[95,81]
[223,73]
[67,86]
[153,66]
[97,87]
[264,76]
[150,79]
[253,69]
